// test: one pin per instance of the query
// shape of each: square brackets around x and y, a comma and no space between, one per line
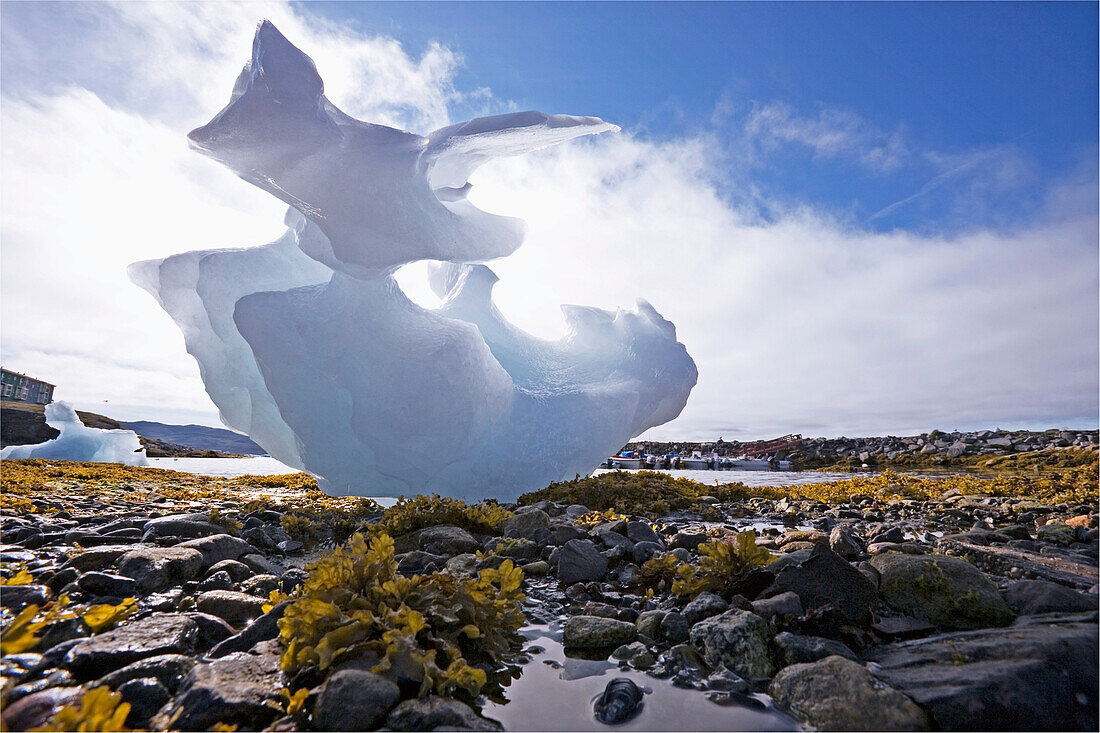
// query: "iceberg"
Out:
[309,346]
[78,442]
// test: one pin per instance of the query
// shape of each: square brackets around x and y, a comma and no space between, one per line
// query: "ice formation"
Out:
[310,347]
[80,443]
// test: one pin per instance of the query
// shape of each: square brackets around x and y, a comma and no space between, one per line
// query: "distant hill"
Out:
[197,436]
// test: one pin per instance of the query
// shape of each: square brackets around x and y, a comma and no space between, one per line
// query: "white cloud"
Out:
[800,323]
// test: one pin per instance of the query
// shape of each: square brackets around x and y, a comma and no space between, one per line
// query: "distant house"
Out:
[21,388]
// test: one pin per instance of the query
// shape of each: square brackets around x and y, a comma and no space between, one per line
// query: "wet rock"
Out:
[784,604]
[799,649]
[839,694]
[437,713]
[232,606]
[239,689]
[212,629]
[581,561]
[167,669]
[821,578]
[18,666]
[264,628]
[1040,596]
[168,633]
[629,651]
[157,568]
[354,700]
[16,597]
[217,581]
[146,696]
[648,623]
[533,525]
[946,591]
[105,584]
[594,632]
[446,540]
[260,564]
[675,628]
[844,543]
[36,709]
[219,547]
[704,606]
[1039,674]
[642,532]
[97,557]
[180,525]
[261,585]
[738,639]
[618,702]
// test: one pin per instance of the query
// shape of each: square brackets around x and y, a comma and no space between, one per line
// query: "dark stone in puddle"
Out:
[619,701]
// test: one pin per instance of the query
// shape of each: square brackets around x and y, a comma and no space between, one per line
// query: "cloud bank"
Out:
[799,320]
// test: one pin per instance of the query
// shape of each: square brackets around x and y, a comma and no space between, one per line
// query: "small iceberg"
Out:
[80,443]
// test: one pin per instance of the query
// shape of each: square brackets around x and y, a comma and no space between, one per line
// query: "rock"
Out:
[233,606]
[649,623]
[105,584]
[629,651]
[536,569]
[613,539]
[737,639]
[581,561]
[603,610]
[237,570]
[784,604]
[167,669]
[146,696]
[531,525]
[704,606]
[262,629]
[219,547]
[168,633]
[212,629]
[1058,534]
[642,532]
[844,543]
[839,694]
[437,713]
[799,649]
[157,568]
[1041,596]
[822,577]
[447,540]
[946,591]
[562,533]
[17,597]
[418,562]
[1039,674]
[354,700]
[260,564]
[644,550]
[261,585]
[594,632]
[902,627]
[217,581]
[675,628]
[239,689]
[36,709]
[687,540]
[180,525]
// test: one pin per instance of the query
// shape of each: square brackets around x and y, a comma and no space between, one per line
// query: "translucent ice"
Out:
[80,443]
[308,344]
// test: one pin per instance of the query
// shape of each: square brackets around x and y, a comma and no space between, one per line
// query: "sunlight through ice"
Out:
[309,345]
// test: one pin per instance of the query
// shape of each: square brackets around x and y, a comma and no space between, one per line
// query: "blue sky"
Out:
[862,218]
[1017,80]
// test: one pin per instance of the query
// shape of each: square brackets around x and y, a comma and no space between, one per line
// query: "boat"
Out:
[696,462]
[628,459]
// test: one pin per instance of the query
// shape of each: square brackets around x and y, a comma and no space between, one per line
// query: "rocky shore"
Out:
[935,449]
[168,601]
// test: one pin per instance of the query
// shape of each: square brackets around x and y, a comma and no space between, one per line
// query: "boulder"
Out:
[946,591]
[704,606]
[146,696]
[180,525]
[1041,596]
[238,689]
[437,713]
[157,568]
[675,628]
[799,649]
[738,639]
[446,540]
[784,604]
[354,700]
[107,584]
[232,606]
[219,547]
[533,525]
[839,694]
[642,532]
[844,543]
[1038,674]
[166,633]
[580,561]
[264,628]
[820,578]
[595,632]
[167,669]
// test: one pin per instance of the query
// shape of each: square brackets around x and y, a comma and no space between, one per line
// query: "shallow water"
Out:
[749,478]
[555,692]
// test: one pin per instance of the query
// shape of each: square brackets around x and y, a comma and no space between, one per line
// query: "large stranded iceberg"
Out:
[80,443]
[309,345]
